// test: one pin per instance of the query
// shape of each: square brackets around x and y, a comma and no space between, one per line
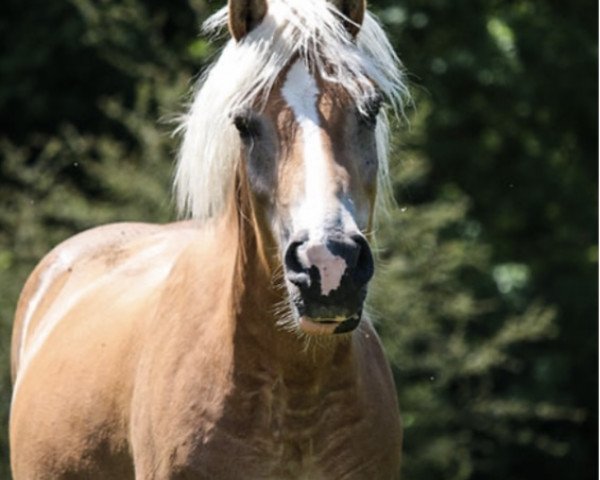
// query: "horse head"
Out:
[309,130]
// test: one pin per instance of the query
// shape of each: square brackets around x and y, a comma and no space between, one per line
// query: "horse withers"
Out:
[232,345]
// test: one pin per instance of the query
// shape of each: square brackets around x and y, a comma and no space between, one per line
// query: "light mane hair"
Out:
[245,73]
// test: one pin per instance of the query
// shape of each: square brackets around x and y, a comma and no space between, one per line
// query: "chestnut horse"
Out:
[232,345]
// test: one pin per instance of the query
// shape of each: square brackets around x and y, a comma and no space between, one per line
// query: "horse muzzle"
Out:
[328,281]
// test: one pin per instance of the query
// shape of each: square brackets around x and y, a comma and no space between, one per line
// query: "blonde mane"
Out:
[245,73]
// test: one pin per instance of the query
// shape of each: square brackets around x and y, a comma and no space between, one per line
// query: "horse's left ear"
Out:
[245,15]
[355,11]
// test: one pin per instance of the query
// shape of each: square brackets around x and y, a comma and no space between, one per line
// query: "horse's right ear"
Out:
[245,15]
[354,11]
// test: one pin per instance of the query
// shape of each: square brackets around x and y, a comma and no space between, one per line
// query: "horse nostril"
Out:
[296,273]
[365,268]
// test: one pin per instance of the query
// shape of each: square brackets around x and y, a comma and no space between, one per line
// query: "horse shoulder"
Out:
[184,373]
[49,274]
[76,335]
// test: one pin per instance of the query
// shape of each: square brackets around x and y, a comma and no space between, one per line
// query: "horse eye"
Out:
[247,126]
[370,110]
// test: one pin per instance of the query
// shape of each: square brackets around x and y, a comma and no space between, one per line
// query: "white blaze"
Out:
[301,93]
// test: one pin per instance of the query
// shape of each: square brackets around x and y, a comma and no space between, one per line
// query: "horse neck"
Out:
[258,297]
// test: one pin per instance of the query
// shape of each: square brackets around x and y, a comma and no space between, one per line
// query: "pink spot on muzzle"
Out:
[331,267]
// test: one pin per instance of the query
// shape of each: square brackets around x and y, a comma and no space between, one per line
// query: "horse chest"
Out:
[302,432]
[275,431]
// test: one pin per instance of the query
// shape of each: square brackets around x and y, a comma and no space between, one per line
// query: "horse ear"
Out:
[245,15]
[354,10]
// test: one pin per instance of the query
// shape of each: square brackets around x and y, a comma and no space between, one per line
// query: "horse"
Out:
[231,344]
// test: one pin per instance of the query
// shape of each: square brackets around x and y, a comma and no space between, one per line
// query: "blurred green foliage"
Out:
[487,286]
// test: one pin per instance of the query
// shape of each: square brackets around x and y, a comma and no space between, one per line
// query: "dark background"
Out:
[487,284]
